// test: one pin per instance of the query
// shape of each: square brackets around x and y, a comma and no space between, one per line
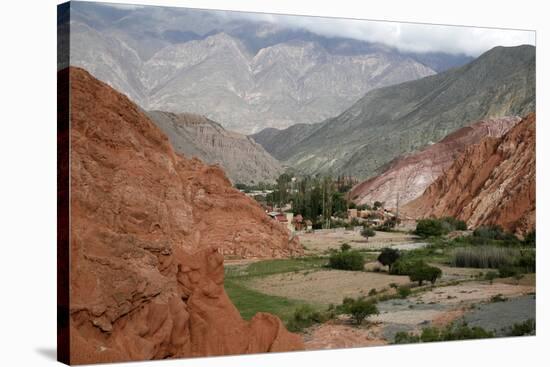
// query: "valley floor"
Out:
[281,286]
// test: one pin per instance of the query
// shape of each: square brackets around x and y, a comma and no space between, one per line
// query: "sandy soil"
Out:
[323,240]
[471,292]
[335,334]
[324,286]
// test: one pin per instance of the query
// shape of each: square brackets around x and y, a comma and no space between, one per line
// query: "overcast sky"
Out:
[404,36]
[407,36]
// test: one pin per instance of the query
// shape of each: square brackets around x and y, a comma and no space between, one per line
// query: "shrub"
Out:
[368,232]
[403,337]
[526,261]
[373,292]
[506,271]
[346,260]
[527,327]
[451,332]
[401,267]
[388,257]
[490,276]
[421,272]
[345,247]
[494,232]
[498,298]
[404,291]
[378,205]
[429,228]
[361,309]
[483,257]
[530,239]
[455,224]
[304,317]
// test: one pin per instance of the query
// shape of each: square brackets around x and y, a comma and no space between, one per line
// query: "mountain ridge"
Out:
[401,119]
[491,183]
[243,160]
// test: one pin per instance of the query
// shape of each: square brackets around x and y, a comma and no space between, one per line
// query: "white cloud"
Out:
[405,36]
[122,6]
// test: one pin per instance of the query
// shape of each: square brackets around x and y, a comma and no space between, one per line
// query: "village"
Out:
[292,203]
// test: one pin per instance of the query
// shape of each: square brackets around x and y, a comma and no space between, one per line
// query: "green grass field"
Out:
[249,301]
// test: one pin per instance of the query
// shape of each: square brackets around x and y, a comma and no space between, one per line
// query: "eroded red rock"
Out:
[146,279]
[409,176]
[492,182]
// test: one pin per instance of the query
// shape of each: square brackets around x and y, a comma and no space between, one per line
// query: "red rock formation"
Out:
[145,282]
[492,182]
[409,176]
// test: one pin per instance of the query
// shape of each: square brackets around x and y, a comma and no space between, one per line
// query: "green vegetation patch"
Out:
[249,302]
[451,332]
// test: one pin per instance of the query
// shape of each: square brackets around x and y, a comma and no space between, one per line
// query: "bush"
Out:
[451,332]
[361,309]
[368,232]
[401,267]
[388,257]
[373,292]
[483,257]
[527,327]
[430,228]
[490,276]
[404,291]
[526,261]
[345,247]
[455,224]
[421,272]
[507,271]
[494,232]
[498,298]
[304,317]
[403,337]
[530,239]
[347,260]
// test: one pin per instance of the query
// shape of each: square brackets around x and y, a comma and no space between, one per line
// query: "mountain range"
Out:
[401,119]
[246,75]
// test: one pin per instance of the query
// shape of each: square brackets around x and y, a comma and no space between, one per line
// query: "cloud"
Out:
[413,37]
[122,6]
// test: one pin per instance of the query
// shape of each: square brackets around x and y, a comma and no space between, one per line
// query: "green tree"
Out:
[429,228]
[368,232]
[421,272]
[347,260]
[388,257]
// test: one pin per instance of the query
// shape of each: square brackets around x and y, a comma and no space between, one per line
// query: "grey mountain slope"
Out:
[243,160]
[247,75]
[401,119]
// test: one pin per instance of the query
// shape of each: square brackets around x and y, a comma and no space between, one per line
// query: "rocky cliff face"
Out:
[149,231]
[408,177]
[492,182]
[401,119]
[243,160]
[245,75]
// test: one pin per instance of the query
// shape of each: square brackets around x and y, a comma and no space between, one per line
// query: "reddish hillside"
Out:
[146,223]
[409,176]
[492,182]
